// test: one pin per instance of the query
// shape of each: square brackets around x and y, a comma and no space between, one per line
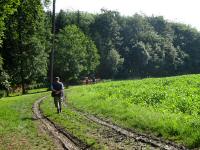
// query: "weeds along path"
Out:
[154,142]
[108,134]
[95,135]
[66,140]
[111,139]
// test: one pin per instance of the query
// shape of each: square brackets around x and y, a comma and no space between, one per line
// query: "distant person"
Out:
[58,93]
[86,80]
[93,80]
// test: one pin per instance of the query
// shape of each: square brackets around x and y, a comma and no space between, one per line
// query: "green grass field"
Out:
[167,107]
[74,123]
[18,129]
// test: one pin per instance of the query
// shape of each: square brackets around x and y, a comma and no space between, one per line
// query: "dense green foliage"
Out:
[18,130]
[148,46]
[168,107]
[25,51]
[110,45]
[7,8]
[76,54]
[24,46]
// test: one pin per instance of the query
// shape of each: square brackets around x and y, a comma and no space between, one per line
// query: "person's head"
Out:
[57,79]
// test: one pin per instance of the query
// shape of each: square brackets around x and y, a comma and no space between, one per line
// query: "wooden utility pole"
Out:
[78,18]
[53,42]
[20,46]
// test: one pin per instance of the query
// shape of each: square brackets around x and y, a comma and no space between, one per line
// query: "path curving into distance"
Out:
[70,142]
[66,140]
[145,139]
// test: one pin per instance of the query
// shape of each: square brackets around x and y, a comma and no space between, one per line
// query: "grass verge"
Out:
[18,129]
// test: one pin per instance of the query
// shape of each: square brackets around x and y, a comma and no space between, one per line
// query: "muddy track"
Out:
[145,139]
[65,139]
[136,140]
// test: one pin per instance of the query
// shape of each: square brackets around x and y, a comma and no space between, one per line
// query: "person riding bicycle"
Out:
[57,92]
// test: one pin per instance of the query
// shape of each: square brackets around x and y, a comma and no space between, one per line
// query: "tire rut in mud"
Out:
[66,140]
[113,136]
[150,141]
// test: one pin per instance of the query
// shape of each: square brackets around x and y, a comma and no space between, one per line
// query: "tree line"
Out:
[107,45]
[138,45]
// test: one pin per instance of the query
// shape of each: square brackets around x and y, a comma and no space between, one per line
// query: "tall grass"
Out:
[167,107]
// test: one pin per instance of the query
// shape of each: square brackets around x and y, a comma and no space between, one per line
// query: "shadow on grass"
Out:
[37,92]
[28,118]
[19,94]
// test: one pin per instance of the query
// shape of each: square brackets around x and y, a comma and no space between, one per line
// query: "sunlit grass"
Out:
[167,107]
[18,129]
[74,123]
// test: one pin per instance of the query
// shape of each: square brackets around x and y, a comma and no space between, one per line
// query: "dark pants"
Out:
[57,102]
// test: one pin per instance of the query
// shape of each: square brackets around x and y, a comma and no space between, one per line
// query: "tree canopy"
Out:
[75,54]
[107,44]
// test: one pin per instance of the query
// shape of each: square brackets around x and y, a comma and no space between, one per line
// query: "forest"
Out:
[107,45]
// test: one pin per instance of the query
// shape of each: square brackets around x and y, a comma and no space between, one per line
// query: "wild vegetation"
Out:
[137,45]
[106,45]
[167,107]
[93,135]
[109,45]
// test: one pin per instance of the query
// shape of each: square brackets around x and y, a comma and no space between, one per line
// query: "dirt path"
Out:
[145,139]
[113,136]
[62,138]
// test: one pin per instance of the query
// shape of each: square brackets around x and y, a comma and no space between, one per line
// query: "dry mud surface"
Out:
[113,136]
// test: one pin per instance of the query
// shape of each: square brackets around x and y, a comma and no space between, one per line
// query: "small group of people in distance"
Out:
[90,80]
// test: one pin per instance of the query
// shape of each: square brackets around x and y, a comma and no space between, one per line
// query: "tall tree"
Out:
[114,63]
[24,49]
[7,8]
[81,19]
[106,34]
[188,40]
[76,54]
